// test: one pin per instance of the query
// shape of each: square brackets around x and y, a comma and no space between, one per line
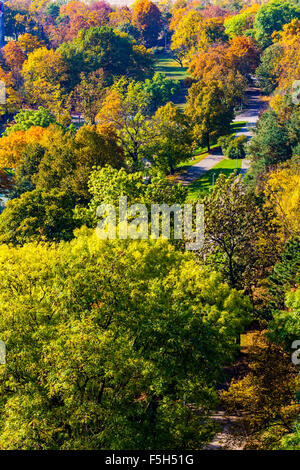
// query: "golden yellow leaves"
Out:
[13,146]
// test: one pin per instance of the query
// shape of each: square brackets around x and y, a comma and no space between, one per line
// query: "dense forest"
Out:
[139,344]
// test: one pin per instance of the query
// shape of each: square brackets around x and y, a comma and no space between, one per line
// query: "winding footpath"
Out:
[250,116]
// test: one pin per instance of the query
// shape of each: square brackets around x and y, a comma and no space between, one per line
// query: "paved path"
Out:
[227,438]
[251,115]
[194,172]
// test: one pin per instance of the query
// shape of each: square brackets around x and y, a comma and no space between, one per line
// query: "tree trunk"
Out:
[231,274]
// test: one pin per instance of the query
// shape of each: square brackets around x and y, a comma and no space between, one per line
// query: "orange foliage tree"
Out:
[14,56]
[77,15]
[13,146]
[241,55]
[147,18]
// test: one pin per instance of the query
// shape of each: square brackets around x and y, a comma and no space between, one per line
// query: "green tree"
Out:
[28,167]
[237,237]
[109,344]
[107,184]
[107,49]
[170,139]
[272,16]
[271,141]
[291,441]
[236,148]
[27,118]
[126,109]
[267,72]
[275,140]
[210,111]
[242,23]
[160,89]
[285,277]
[69,159]
[38,215]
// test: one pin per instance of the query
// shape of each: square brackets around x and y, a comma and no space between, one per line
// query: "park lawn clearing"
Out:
[172,70]
[204,184]
[201,153]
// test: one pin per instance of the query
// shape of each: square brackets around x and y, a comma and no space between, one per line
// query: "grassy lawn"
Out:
[167,65]
[192,161]
[170,68]
[204,184]
[237,126]
[202,153]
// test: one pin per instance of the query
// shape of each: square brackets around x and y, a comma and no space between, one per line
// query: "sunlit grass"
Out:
[204,184]
[170,68]
[201,152]
[192,161]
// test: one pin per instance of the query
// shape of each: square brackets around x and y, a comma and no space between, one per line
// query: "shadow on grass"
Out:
[167,65]
[237,126]
[202,186]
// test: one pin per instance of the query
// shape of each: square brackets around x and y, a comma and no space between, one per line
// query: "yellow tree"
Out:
[44,73]
[218,64]
[210,109]
[205,61]
[243,54]
[212,32]
[43,64]
[177,14]
[289,64]
[37,5]
[282,191]
[265,397]
[29,43]
[13,96]
[120,16]
[186,35]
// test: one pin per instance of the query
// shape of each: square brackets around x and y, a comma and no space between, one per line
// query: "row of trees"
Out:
[60,21]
